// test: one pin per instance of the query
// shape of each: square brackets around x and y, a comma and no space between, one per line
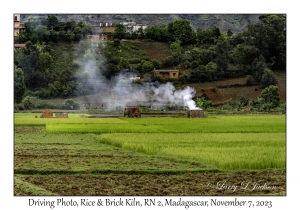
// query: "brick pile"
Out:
[61,115]
[195,113]
[46,114]
[132,111]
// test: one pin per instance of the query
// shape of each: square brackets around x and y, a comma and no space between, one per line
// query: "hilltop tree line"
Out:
[49,65]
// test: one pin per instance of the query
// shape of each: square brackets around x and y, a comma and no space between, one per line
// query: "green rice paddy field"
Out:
[149,156]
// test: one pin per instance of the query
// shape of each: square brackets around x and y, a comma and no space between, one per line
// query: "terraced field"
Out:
[150,156]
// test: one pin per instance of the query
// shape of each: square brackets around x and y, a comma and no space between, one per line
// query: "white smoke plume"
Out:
[129,93]
[122,90]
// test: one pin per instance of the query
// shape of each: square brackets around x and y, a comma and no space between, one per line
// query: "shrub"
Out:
[70,104]
[203,103]
[41,104]
[268,78]
[271,95]
[27,103]
[183,78]
[268,99]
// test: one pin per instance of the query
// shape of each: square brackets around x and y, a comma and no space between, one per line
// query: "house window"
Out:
[16,18]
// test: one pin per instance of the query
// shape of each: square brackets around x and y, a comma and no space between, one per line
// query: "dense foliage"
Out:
[58,61]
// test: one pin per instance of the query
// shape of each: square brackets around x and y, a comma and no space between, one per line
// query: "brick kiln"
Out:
[195,113]
[132,111]
[48,114]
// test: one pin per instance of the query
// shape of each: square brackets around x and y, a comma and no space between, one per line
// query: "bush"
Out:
[41,104]
[268,78]
[203,103]
[268,99]
[70,104]
[183,78]
[18,107]
[271,95]
[27,103]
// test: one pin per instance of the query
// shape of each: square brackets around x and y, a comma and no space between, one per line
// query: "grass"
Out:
[219,124]
[147,156]
[43,152]
[31,121]
[227,151]
[33,115]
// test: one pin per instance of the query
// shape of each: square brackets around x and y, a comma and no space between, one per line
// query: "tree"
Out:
[258,67]
[268,78]
[52,22]
[211,69]
[119,32]
[159,33]
[243,55]
[19,84]
[198,74]
[209,36]
[268,99]
[222,57]
[269,36]
[229,32]
[181,30]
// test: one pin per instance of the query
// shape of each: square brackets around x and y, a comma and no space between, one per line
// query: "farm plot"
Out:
[79,153]
[148,156]
[184,184]
[228,151]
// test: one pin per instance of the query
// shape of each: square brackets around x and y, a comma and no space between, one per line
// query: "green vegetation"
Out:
[57,59]
[60,68]
[51,155]
[229,151]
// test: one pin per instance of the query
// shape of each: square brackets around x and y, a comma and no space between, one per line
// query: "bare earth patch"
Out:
[269,182]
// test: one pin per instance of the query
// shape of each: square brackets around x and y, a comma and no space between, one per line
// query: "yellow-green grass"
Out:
[218,124]
[79,153]
[33,115]
[99,128]
[232,124]
[31,121]
[229,151]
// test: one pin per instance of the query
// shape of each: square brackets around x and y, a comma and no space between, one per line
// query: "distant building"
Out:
[19,45]
[106,29]
[18,27]
[167,74]
[131,27]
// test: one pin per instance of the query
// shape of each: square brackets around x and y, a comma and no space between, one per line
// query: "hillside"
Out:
[235,22]
[220,91]
[61,62]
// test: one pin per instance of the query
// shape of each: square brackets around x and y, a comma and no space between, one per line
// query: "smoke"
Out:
[129,93]
[125,88]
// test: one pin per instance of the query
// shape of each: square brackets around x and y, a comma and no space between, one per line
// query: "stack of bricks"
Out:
[195,113]
[132,111]
[61,115]
[46,114]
